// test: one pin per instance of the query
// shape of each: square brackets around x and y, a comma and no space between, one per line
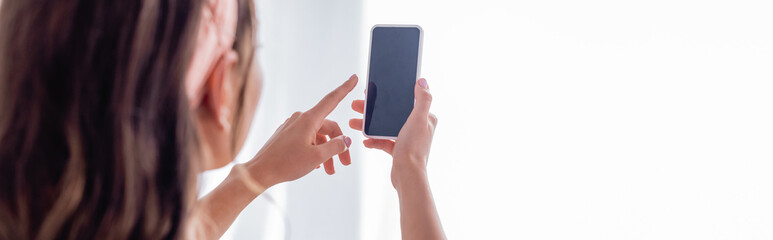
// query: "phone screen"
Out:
[394,68]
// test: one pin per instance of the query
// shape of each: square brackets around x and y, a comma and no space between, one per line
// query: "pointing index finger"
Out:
[331,100]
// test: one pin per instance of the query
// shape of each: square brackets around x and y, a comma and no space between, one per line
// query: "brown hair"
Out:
[96,138]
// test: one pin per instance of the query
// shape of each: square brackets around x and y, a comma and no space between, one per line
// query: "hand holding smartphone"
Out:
[394,66]
[398,103]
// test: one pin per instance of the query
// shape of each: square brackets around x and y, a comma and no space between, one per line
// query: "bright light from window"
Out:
[597,119]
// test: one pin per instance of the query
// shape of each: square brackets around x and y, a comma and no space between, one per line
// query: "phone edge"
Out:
[418,71]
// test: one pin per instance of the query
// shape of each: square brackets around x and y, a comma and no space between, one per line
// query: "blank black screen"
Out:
[394,52]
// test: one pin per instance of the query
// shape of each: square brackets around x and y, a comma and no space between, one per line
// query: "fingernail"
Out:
[353,76]
[348,141]
[423,83]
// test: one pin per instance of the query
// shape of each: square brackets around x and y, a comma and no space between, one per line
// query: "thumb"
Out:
[423,98]
[335,146]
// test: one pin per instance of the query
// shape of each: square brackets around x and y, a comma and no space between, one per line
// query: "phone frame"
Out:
[418,71]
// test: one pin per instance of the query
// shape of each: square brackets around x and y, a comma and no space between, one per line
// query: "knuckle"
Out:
[296,114]
[318,154]
[424,96]
[331,96]
[427,97]
[335,126]
[341,145]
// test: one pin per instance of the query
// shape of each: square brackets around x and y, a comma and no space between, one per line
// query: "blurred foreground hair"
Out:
[96,140]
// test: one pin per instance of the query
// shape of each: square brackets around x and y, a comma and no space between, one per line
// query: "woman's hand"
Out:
[410,152]
[300,144]
[418,215]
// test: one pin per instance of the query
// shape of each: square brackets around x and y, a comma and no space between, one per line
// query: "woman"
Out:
[108,109]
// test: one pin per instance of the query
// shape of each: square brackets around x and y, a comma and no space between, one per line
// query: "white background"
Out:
[558,119]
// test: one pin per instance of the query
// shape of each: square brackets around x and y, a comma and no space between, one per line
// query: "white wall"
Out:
[598,119]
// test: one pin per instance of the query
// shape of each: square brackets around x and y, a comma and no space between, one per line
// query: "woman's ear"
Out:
[214,113]
[220,89]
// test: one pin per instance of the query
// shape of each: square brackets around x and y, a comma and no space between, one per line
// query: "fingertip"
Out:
[329,167]
[355,123]
[422,90]
[346,158]
[384,145]
[344,145]
[422,82]
[351,83]
[358,106]
[423,97]
[433,118]
[370,143]
[354,79]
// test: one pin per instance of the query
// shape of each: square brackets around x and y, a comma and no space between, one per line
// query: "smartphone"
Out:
[394,67]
